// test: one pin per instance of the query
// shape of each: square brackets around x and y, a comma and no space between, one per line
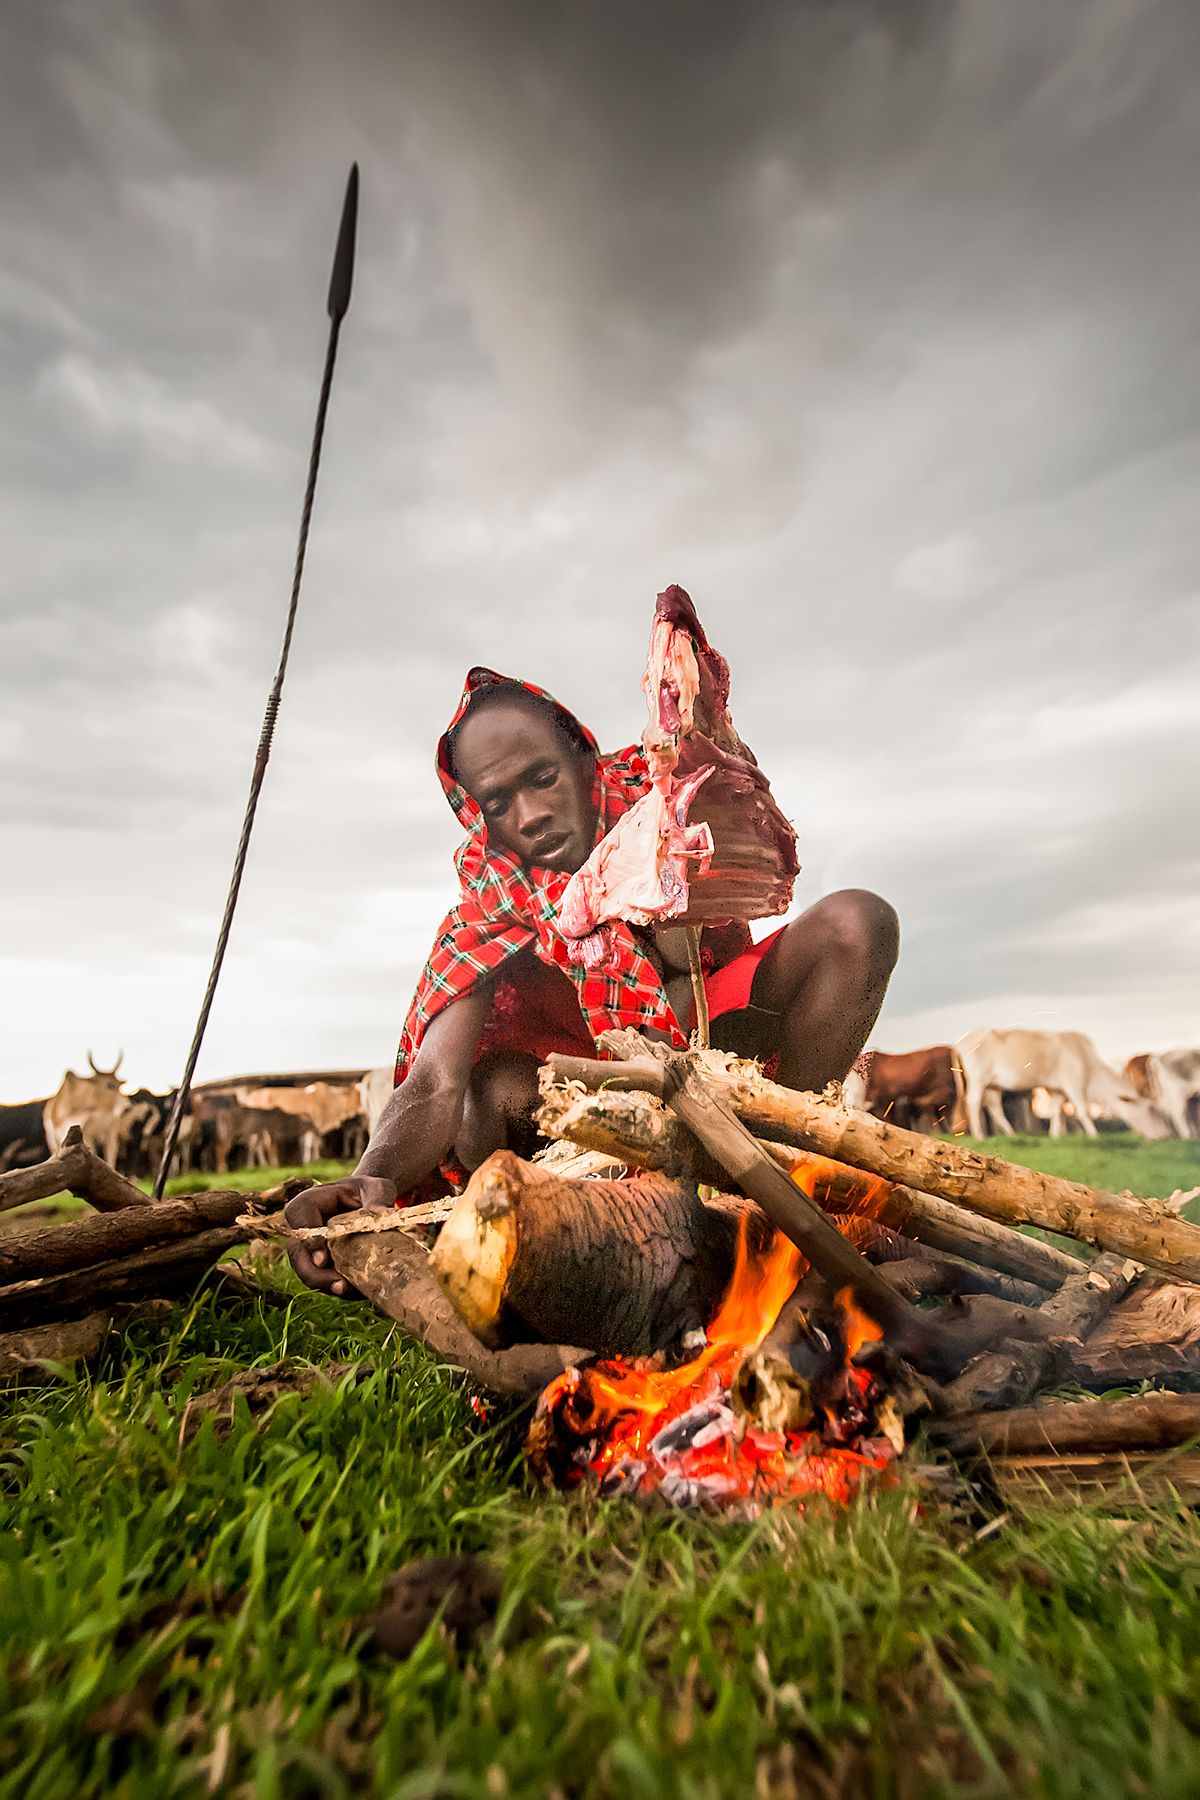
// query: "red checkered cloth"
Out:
[503,907]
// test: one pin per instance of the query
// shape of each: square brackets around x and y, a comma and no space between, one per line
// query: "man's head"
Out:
[530,774]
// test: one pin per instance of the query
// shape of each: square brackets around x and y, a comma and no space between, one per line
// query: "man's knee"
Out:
[862,925]
[506,1087]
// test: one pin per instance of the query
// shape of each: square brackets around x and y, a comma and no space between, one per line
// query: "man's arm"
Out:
[420,1122]
[417,1127]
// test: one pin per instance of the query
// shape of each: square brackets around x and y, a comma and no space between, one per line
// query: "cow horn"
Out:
[109,1073]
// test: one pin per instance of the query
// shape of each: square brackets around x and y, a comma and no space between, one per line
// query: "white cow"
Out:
[1064,1063]
[375,1090]
[1173,1085]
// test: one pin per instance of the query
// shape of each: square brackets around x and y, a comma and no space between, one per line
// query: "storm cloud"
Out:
[873,324]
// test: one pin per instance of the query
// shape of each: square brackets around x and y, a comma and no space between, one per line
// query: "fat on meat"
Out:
[706,844]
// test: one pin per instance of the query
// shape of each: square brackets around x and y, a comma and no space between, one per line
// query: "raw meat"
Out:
[707,844]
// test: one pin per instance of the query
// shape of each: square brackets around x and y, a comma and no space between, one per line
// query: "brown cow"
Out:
[920,1089]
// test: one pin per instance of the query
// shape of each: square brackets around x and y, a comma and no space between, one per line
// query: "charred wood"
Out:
[1141,1422]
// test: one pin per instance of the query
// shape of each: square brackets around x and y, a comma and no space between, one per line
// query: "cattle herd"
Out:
[1019,1080]
[248,1123]
[991,1081]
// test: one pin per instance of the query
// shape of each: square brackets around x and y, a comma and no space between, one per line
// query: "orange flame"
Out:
[858,1328]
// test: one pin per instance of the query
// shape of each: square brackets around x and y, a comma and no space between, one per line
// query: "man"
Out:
[535,796]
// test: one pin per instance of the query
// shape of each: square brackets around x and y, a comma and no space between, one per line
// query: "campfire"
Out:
[734,1425]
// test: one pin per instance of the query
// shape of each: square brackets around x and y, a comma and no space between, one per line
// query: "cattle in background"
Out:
[23,1135]
[1171,1083]
[95,1103]
[142,1133]
[331,1111]
[374,1091]
[920,1089]
[1065,1064]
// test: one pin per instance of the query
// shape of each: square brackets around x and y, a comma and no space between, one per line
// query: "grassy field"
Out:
[177,1613]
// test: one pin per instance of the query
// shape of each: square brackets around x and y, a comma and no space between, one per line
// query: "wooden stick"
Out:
[1124,1225]
[691,937]
[69,1340]
[1142,1422]
[636,1129]
[75,1170]
[726,1138]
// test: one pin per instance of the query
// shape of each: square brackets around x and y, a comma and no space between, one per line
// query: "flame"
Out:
[858,1328]
[616,1410]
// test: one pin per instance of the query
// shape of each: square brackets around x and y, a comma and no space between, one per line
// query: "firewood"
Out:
[1100,1367]
[1009,1374]
[637,1130]
[622,1267]
[931,1275]
[69,1340]
[1132,1479]
[169,1269]
[392,1270]
[1141,1422]
[79,1243]
[75,1170]
[1122,1224]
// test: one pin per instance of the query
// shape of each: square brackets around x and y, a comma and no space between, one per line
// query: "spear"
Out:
[339,300]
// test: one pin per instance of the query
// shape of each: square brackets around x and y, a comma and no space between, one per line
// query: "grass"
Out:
[176,1616]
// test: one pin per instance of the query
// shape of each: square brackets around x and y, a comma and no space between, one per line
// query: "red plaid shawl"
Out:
[504,907]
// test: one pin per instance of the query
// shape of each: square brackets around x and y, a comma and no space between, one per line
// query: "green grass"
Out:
[884,1650]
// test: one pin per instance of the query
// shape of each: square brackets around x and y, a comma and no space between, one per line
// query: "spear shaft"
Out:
[340,283]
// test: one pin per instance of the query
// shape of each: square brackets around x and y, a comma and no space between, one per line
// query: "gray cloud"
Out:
[873,324]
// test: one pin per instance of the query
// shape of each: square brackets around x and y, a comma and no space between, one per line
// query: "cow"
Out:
[921,1089]
[1170,1081]
[325,1106]
[22,1135]
[95,1103]
[1064,1063]
[375,1090]
[142,1132]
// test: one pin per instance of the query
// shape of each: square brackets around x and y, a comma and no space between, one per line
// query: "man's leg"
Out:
[498,1109]
[824,978]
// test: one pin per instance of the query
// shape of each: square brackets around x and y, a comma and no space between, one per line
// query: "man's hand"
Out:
[319,1205]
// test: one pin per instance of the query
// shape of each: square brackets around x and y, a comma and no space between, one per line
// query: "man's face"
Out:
[533,787]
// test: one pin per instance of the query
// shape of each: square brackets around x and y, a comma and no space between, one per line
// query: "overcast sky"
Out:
[875,325]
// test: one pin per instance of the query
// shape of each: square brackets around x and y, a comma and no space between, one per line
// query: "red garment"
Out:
[504,907]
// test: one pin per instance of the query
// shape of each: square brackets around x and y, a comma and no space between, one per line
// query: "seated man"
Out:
[496,996]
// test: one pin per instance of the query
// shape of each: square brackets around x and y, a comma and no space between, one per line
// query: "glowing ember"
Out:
[690,1434]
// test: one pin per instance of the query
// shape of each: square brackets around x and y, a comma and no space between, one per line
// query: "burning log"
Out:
[622,1267]
[75,1170]
[1147,1230]
[636,1129]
